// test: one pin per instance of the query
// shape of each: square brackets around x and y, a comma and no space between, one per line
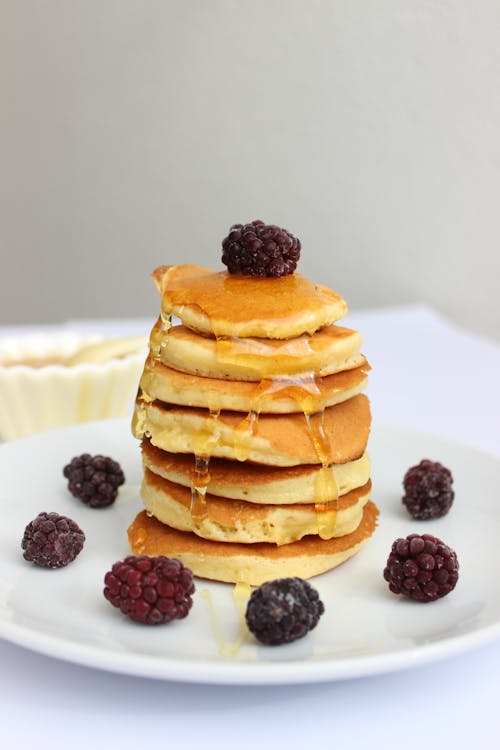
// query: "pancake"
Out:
[330,350]
[256,483]
[224,520]
[275,439]
[276,396]
[223,304]
[249,563]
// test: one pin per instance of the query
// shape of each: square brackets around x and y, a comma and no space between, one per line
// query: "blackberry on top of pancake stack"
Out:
[252,419]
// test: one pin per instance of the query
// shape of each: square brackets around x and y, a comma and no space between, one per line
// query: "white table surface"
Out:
[427,375]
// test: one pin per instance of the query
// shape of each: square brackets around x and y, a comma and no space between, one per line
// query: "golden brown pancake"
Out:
[249,563]
[275,439]
[257,483]
[223,304]
[329,350]
[276,396]
[224,520]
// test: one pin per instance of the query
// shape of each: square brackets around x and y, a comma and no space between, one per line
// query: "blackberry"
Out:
[428,490]
[283,610]
[421,567]
[52,541]
[258,249]
[151,590]
[94,479]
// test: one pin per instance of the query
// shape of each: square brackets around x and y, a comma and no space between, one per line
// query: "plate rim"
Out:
[225,671]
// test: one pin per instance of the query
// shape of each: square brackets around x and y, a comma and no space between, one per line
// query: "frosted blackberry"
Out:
[52,540]
[150,590]
[428,490]
[283,610]
[94,479]
[421,567]
[258,249]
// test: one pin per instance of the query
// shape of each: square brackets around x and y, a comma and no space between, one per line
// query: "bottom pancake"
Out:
[249,563]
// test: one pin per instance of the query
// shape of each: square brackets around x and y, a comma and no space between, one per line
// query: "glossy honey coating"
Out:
[258,483]
[226,520]
[329,350]
[223,304]
[279,395]
[337,435]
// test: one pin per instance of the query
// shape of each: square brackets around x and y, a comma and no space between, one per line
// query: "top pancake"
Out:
[223,304]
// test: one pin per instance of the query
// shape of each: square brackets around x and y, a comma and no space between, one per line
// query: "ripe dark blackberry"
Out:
[428,490]
[421,567]
[52,540]
[258,249]
[283,610]
[151,590]
[94,479]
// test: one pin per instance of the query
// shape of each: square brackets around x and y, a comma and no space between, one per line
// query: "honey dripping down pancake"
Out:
[256,483]
[249,563]
[257,382]
[328,350]
[276,395]
[333,436]
[227,520]
[223,304]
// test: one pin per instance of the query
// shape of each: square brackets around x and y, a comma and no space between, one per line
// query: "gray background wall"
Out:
[134,132]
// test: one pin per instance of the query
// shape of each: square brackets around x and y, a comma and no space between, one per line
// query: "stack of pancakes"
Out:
[254,428]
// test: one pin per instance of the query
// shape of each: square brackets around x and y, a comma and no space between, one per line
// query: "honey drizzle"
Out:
[305,392]
[139,417]
[241,594]
[161,340]
[326,508]
[139,541]
[165,323]
[204,442]
[244,433]
[325,486]
[269,357]
[301,389]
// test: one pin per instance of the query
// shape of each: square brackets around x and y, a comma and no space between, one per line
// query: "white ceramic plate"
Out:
[365,629]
